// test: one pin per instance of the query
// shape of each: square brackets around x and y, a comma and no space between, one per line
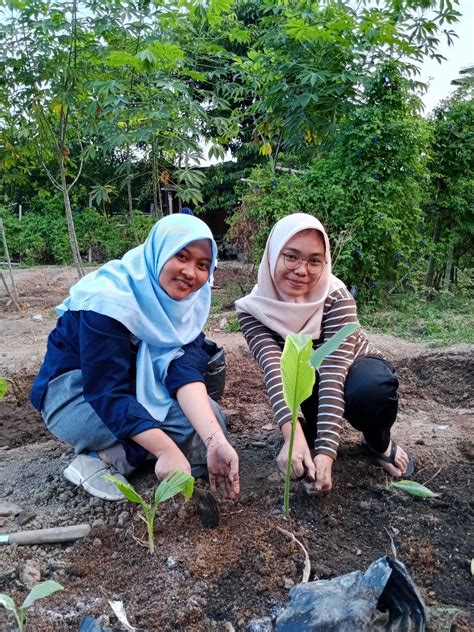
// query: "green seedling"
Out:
[177,481]
[298,364]
[298,380]
[331,345]
[414,489]
[40,591]
[3,387]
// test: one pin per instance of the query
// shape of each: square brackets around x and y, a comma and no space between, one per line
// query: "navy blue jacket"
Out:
[105,351]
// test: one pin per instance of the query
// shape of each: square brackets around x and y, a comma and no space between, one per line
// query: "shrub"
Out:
[367,188]
[41,236]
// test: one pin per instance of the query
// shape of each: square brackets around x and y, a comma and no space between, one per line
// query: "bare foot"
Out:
[401,461]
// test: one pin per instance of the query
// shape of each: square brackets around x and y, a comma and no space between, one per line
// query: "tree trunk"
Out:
[429,279]
[454,276]
[14,292]
[130,199]
[160,199]
[157,202]
[69,219]
[449,266]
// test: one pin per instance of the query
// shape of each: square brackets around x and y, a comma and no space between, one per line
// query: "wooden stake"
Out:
[13,293]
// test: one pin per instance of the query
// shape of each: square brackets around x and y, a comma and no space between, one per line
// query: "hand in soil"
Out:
[323,481]
[301,463]
[223,467]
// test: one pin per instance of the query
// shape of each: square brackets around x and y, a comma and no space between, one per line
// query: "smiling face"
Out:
[309,246]
[187,270]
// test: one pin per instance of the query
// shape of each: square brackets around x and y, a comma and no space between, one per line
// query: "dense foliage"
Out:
[450,207]
[368,187]
[41,237]
[109,105]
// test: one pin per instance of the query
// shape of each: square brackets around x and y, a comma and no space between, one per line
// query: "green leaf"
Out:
[194,74]
[176,482]
[121,58]
[7,602]
[44,589]
[3,387]
[297,374]
[239,35]
[331,345]
[127,490]
[414,489]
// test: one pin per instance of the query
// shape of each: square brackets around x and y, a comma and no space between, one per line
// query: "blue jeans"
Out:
[72,420]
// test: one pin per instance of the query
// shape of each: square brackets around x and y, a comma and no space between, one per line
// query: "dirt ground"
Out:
[236,576]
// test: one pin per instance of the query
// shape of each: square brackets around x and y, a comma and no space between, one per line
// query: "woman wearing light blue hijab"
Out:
[123,375]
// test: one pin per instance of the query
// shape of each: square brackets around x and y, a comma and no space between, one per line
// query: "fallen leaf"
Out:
[414,489]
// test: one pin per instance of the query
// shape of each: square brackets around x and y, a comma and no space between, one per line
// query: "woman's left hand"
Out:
[223,467]
[323,482]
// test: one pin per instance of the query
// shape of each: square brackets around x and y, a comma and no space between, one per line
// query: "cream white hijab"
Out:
[265,300]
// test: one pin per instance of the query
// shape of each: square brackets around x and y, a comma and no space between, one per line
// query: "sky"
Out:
[459,55]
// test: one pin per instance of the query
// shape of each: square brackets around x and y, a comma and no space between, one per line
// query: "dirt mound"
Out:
[446,375]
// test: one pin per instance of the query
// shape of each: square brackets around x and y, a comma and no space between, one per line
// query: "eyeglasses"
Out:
[292,261]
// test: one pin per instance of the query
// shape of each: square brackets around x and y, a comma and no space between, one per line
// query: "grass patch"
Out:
[232,324]
[217,304]
[444,320]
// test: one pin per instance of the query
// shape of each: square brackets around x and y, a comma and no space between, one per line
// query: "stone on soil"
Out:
[29,574]
[9,509]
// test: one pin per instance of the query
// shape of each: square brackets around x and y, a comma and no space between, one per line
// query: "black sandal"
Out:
[378,456]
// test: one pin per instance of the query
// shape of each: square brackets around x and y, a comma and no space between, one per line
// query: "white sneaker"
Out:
[89,472]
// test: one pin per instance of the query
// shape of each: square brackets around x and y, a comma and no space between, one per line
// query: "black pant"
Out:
[371,402]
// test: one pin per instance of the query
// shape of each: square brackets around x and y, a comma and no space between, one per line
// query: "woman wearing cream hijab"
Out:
[297,292]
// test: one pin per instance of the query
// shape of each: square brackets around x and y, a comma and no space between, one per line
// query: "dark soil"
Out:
[20,424]
[448,379]
[227,578]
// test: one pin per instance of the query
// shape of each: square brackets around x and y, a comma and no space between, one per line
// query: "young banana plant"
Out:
[298,370]
[176,482]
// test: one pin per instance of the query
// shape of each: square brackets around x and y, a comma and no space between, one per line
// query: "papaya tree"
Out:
[47,59]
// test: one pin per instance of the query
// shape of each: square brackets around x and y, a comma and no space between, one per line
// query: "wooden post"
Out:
[13,293]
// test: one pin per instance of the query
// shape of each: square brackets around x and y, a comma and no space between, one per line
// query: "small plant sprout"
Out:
[414,489]
[40,591]
[3,387]
[298,364]
[177,481]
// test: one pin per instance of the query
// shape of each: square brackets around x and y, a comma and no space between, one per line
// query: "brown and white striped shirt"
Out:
[266,347]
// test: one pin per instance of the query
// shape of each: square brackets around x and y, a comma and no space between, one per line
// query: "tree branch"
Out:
[49,174]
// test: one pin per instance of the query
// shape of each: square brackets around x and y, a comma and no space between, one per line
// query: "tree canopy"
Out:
[108,102]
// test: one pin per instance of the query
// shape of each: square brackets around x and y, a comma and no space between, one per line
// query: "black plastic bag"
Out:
[354,602]
[214,376]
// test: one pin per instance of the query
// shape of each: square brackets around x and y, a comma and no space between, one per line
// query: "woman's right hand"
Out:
[301,462]
[223,466]
[171,458]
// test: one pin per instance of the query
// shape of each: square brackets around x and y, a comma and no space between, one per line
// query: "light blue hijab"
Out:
[128,291]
